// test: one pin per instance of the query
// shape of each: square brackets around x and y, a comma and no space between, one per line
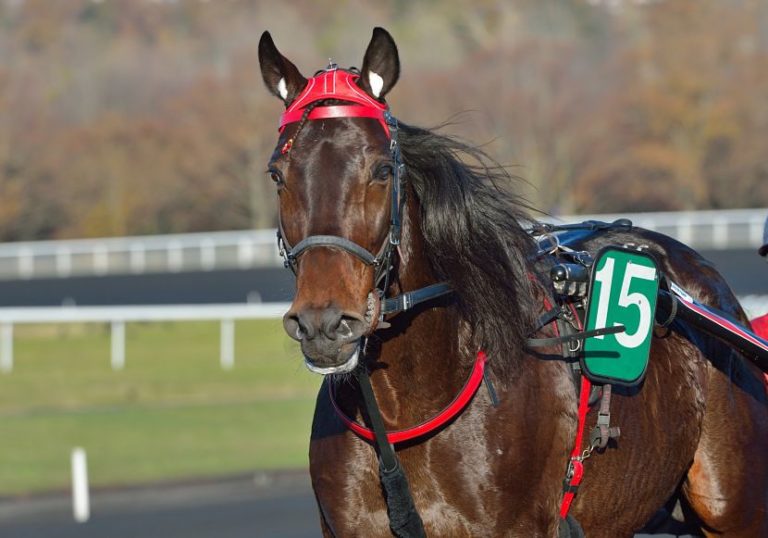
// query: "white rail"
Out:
[140,254]
[118,316]
[715,229]
[726,229]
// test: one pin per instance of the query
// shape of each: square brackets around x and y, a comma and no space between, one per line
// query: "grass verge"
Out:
[171,413]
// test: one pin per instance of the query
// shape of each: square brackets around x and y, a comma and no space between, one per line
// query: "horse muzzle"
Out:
[330,338]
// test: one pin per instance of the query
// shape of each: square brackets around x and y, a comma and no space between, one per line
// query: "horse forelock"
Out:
[472,227]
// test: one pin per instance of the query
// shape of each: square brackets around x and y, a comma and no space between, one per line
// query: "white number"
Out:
[627,299]
[605,277]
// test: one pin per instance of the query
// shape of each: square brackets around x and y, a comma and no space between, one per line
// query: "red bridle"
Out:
[335,83]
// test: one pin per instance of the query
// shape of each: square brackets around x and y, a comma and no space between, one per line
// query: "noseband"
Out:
[340,84]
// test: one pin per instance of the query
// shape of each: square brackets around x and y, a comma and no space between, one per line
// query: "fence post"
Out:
[227,357]
[6,347]
[118,345]
[81,506]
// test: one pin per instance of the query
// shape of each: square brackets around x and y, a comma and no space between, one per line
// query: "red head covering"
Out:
[334,83]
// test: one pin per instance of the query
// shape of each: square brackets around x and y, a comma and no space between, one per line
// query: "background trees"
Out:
[150,116]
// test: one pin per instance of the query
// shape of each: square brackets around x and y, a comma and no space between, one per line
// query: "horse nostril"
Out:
[350,327]
[331,323]
[341,326]
[297,327]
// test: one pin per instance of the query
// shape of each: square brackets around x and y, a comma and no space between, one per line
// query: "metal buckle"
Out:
[548,243]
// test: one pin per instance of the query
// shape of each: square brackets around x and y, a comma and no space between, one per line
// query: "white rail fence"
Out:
[118,316]
[245,249]
[171,253]
[225,314]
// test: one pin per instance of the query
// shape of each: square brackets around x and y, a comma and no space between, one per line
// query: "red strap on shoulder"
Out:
[576,464]
[576,467]
[446,415]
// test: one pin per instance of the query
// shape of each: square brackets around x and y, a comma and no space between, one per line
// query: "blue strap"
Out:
[410,299]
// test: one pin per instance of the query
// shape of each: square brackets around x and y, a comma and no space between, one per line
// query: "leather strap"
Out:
[408,300]
[575,337]
[336,111]
[333,241]
[404,519]
[575,472]
[443,417]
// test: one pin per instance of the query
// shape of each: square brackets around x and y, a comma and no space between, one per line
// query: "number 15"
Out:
[605,277]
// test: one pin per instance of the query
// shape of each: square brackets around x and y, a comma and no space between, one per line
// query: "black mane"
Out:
[472,225]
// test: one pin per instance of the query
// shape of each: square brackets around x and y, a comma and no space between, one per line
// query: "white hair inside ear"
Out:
[282,89]
[376,83]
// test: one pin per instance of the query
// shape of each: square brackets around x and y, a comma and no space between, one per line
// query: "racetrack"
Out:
[267,505]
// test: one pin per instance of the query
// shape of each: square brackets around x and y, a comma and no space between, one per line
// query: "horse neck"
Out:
[422,353]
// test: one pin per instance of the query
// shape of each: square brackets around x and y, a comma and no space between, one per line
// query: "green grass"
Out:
[171,413]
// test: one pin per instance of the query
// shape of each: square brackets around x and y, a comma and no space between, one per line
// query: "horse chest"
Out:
[350,495]
[464,482]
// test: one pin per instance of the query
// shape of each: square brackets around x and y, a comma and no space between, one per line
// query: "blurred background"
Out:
[145,117]
[134,136]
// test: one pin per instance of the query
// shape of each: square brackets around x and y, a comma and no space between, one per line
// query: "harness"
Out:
[569,277]
[571,281]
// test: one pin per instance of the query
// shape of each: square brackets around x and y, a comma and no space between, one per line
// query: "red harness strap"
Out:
[446,415]
[576,466]
[575,471]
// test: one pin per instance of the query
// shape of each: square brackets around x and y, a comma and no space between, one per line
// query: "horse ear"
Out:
[280,75]
[381,65]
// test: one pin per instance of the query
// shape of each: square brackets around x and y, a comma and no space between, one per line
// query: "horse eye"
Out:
[382,173]
[276,176]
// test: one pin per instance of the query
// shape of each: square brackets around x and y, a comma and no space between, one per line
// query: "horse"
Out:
[371,208]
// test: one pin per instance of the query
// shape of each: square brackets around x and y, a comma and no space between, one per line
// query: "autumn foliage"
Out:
[141,117]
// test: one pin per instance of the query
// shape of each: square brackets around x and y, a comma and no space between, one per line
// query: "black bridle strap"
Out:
[333,241]
[408,300]
[404,520]
[574,338]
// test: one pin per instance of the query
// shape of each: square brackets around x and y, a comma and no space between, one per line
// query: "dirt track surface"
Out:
[265,505]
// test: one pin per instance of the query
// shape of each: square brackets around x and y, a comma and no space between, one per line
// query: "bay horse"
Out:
[696,429]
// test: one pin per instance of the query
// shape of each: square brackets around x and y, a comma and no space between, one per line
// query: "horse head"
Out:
[335,180]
